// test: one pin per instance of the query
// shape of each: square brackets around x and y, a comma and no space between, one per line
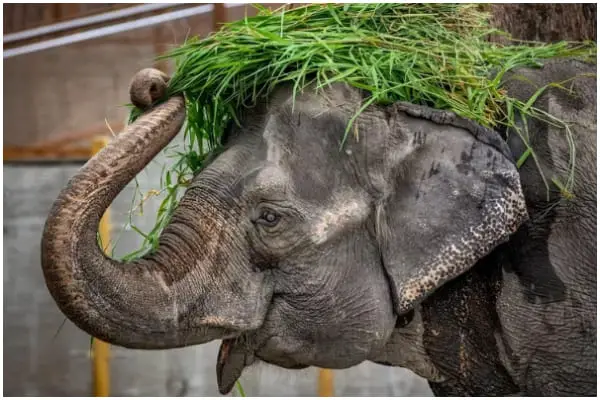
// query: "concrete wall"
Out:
[77,88]
[38,361]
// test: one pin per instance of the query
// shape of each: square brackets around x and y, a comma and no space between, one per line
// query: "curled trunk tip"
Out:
[125,304]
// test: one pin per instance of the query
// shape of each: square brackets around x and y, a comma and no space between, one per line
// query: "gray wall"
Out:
[38,361]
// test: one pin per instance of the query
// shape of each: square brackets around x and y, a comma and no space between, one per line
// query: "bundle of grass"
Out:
[429,54]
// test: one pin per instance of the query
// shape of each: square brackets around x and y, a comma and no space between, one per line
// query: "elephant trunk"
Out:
[132,304]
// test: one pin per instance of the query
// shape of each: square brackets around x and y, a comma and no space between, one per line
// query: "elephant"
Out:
[419,243]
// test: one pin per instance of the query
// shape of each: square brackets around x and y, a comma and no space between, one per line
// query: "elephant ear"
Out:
[452,194]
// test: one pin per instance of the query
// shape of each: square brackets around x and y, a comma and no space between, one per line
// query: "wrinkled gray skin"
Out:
[414,246]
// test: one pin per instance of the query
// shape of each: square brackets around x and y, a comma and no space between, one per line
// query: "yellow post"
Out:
[100,349]
[325,383]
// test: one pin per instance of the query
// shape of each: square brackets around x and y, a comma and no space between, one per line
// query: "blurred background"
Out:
[67,68]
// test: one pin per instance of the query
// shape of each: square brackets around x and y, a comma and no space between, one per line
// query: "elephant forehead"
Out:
[346,211]
[269,172]
[270,176]
[272,141]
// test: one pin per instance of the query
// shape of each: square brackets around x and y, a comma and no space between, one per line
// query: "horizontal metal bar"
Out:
[33,162]
[108,30]
[85,21]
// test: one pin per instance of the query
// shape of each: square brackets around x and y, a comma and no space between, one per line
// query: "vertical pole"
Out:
[325,383]
[219,15]
[159,49]
[100,349]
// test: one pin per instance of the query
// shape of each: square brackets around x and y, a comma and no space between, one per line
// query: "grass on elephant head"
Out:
[430,54]
[437,55]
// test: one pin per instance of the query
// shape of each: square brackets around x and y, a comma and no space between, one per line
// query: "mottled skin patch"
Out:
[440,240]
[464,252]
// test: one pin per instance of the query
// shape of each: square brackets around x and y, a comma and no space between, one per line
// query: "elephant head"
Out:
[290,248]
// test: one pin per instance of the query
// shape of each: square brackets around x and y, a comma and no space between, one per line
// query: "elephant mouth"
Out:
[235,355]
[231,361]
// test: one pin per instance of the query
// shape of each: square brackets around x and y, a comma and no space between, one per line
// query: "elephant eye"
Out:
[268,218]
